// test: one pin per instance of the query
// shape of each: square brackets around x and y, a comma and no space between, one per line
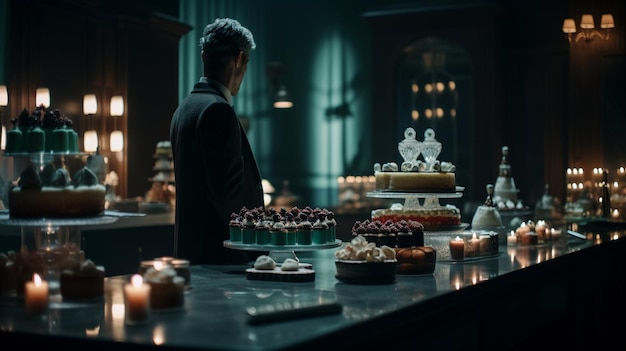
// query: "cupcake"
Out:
[262,232]
[290,228]
[304,230]
[248,233]
[278,233]
[235,227]
[320,227]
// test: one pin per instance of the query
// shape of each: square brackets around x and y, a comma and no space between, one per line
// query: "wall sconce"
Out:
[90,138]
[42,97]
[90,141]
[4,101]
[587,31]
[117,137]
[90,104]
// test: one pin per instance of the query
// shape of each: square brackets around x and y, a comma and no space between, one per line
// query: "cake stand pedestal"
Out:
[412,199]
[281,252]
[46,242]
[437,237]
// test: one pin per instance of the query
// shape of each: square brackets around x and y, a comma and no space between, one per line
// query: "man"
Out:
[216,172]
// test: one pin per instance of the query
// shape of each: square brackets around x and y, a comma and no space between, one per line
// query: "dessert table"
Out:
[552,291]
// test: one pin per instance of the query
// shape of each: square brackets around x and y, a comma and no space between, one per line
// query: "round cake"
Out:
[414,175]
[415,181]
[430,217]
[53,194]
[81,280]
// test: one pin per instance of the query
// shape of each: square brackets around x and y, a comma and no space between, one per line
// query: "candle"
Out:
[615,214]
[36,295]
[475,243]
[540,229]
[457,248]
[511,239]
[555,234]
[136,299]
[485,244]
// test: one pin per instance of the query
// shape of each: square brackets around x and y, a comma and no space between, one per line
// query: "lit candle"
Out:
[511,239]
[615,213]
[540,229]
[457,248]
[137,299]
[36,295]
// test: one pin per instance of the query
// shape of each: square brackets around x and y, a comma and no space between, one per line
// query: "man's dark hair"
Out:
[222,40]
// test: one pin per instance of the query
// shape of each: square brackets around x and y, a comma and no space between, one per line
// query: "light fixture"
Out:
[282,99]
[4,101]
[90,141]
[90,138]
[116,142]
[280,96]
[587,31]
[42,97]
[4,96]
[90,104]
[117,106]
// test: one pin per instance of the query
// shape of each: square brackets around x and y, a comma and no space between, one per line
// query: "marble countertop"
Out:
[215,313]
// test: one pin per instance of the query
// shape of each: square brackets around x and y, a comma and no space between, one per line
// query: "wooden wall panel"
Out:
[76,47]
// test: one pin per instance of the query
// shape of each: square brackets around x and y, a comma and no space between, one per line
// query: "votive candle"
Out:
[36,295]
[540,229]
[137,299]
[555,234]
[457,248]
[511,239]
[475,244]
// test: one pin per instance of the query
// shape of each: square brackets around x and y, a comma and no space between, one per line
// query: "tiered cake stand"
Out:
[439,236]
[428,200]
[51,236]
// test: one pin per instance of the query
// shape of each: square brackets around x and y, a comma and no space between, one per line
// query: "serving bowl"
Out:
[366,272]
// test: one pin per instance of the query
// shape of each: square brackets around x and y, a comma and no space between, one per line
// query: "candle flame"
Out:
[36,279]
[136,280]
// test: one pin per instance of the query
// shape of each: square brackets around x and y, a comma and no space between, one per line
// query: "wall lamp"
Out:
[587,31]
[90,108]
[116,137]
[4,101]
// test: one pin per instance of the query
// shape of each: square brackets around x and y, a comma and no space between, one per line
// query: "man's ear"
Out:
[239,59]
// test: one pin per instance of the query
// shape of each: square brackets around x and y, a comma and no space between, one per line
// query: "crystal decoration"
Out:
[409,147]
[430,148]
